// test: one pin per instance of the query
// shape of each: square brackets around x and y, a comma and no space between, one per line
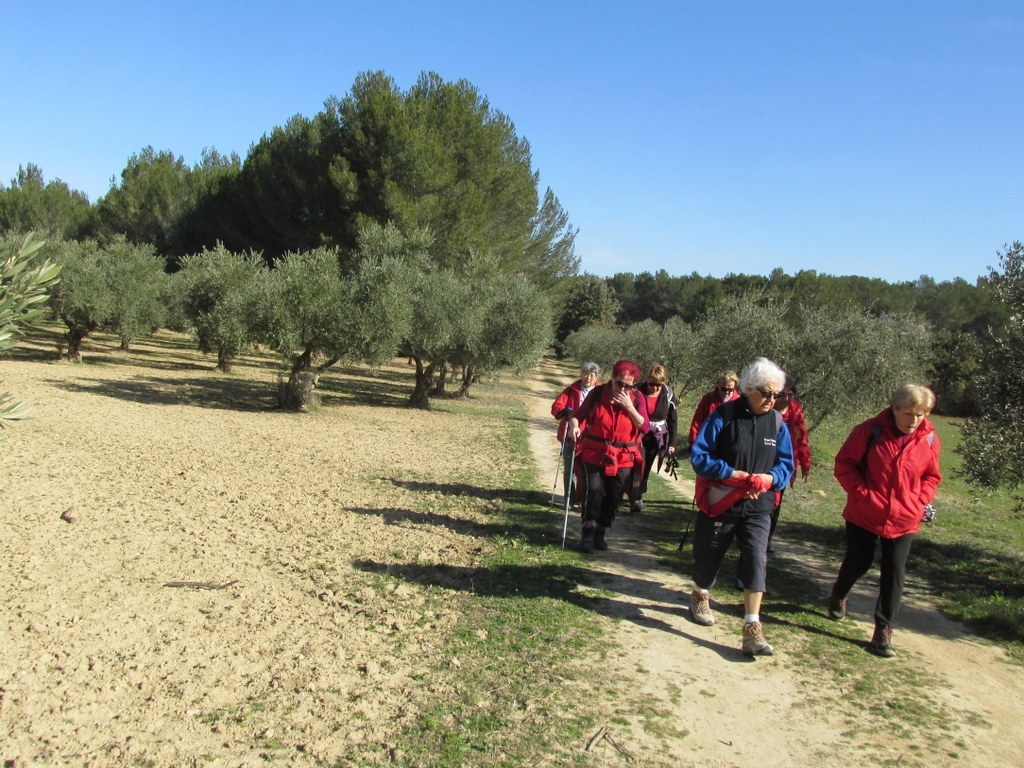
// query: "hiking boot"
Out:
[586,544]
[599,542]
[700,608]
[638,506]
[881,642]
[754,643]
[836,607]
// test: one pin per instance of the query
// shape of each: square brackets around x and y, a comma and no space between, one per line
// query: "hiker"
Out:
[608,428]
[660,442]
[793,415]
[565,405]
[742,455]
[889,468]
[724,391]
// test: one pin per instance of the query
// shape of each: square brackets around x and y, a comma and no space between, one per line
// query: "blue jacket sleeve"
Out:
[703,461]
[784,464]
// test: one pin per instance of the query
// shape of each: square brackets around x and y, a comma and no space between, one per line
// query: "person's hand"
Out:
[623,400]
[574,429]
[671,450]
[739,474]
[806,474]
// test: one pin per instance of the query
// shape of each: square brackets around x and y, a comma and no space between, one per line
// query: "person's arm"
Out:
[699,416]
[932,475]
[563,401]
[783,469]
[702,457]
[850,461]
[583,412]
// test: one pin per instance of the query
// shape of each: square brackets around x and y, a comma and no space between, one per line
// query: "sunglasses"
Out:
[767,394]
[726,389]
[621,384]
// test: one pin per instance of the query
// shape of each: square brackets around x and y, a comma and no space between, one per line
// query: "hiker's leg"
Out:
[711,539]
[892,575]
[860,552]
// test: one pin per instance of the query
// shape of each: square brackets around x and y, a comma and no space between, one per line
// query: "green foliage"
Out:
[317,315]
[993,444]
[164,202]
[220,299]
[478,318]
[154,193]
[82,300]
[958,313]
[844,361]
[52,208]
[590,302]
[135,279]
[23,289]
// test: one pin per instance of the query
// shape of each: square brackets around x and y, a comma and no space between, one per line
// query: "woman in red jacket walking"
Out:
[793,414]
[608,430]
[889,468]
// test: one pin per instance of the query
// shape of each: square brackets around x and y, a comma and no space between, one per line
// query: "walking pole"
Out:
[693,515]
[568,496]
[561,453]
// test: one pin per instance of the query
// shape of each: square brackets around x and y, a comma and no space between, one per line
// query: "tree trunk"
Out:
[74,353]
[297,393]
[223,360]
[442,378]
[468,376]
[424,380]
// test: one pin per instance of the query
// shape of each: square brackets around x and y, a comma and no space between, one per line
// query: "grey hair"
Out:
[590,367]
[761,372]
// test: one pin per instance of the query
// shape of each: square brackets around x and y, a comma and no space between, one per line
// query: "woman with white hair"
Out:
[743,454]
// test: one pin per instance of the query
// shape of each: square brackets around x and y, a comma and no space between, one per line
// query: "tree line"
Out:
[952,321]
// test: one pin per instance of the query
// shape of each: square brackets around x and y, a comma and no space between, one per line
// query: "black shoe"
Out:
[599,542]
[638,507]
[836,607]
[586,544]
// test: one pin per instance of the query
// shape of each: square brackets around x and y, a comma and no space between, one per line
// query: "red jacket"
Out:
[602,423]
[570,398]
[705,408]
[889,477]
[794,418]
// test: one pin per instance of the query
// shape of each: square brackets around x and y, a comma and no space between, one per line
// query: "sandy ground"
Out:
[214,597]
[191,578]
[742,712]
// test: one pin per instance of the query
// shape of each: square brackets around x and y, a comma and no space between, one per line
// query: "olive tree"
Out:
[220,299]
[23,290]
[135,279]
[993,443]
[82,299]
[318,314]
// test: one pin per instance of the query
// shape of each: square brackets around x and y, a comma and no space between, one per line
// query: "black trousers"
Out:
[604,492]
[712,537]
[860,553]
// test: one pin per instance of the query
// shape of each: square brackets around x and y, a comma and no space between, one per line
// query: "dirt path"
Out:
[740,712]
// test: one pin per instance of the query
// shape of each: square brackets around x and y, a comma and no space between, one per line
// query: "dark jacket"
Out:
[734,438]
[666,411]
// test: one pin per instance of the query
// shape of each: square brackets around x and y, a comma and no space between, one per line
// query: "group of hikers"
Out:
[746,439]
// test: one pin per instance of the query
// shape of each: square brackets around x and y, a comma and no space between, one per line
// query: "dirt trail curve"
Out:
[741,712]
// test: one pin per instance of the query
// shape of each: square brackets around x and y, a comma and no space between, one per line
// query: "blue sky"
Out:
[873,138]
